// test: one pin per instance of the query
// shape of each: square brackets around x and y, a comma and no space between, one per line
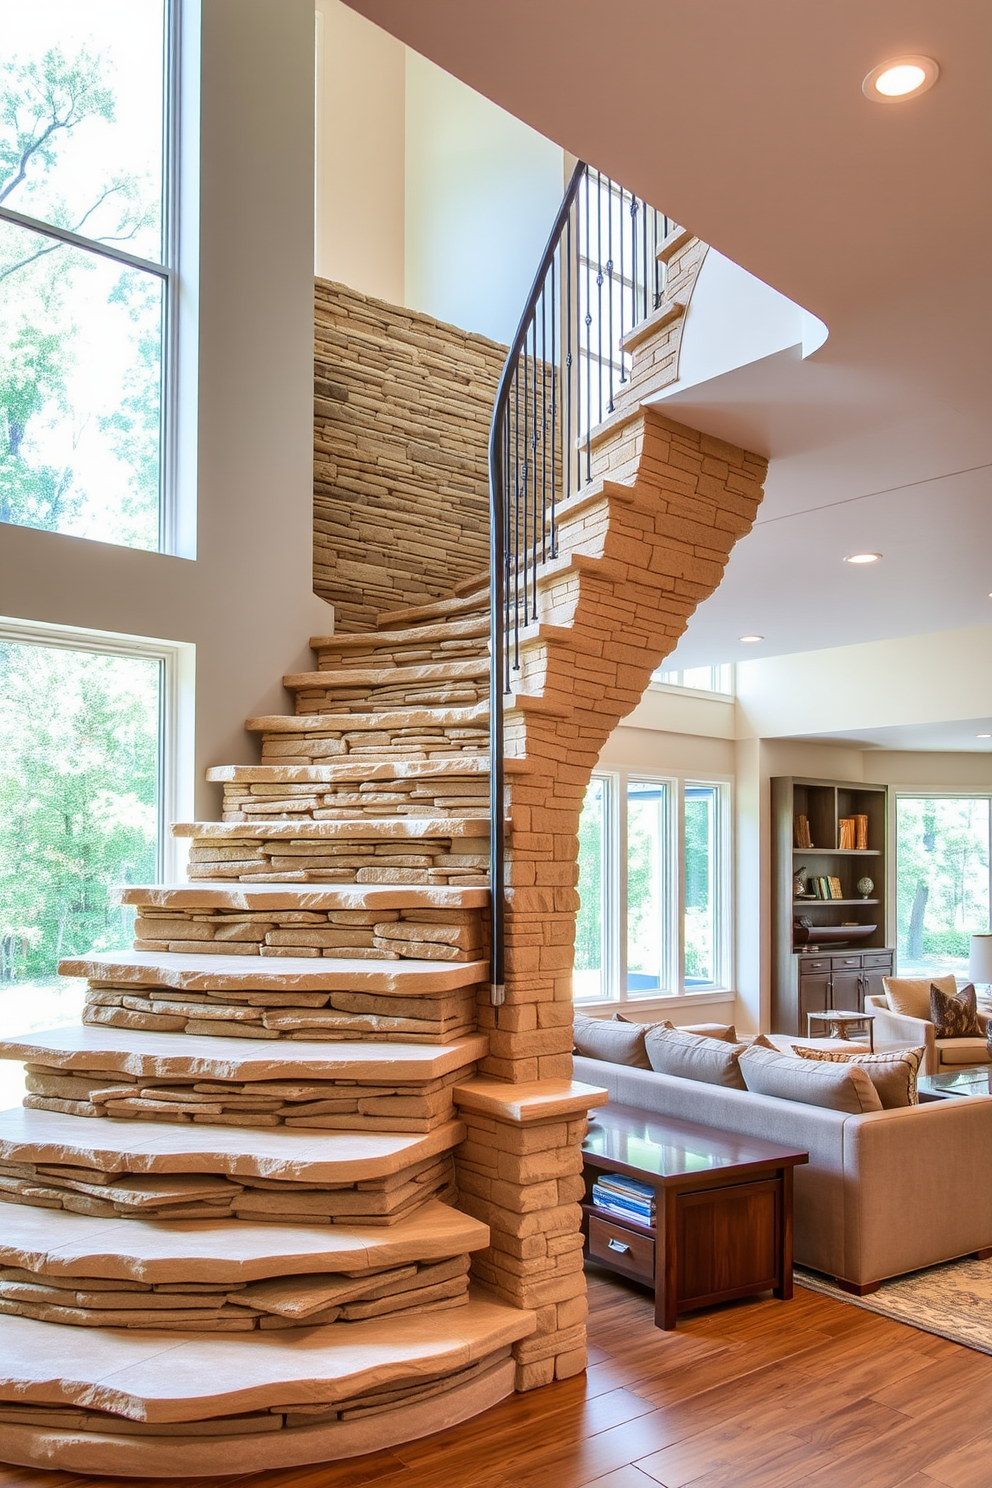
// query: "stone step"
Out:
[303,898]
[148,1170]
[165,1057]
[444,684]
[357,828]
[277,974]
[100,1071]
[99,1400]
[350,648]
[61,1244]
[368,849]
[405,733]
[347,771]
[475,602]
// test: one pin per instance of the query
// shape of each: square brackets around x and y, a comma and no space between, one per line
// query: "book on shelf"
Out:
[800,832]
[861,832]
[836,892]
[847,833]
[626,1199]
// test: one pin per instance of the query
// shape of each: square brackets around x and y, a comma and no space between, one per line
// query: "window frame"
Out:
[175,716]
[915,793]
[616,780]
[167,271]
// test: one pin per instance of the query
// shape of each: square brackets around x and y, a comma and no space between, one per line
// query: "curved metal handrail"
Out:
[598,276]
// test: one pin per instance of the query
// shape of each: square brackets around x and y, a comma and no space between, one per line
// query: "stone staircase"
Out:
[266,1088]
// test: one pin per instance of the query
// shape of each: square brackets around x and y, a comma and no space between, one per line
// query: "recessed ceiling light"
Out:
[750,638]
[983,736]
[863,558]
[900,77]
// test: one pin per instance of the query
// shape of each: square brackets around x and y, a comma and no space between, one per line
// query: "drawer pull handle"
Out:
[617,1245]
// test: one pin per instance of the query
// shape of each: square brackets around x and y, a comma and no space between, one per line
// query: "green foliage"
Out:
[589,921]
[942,875]
[78,771]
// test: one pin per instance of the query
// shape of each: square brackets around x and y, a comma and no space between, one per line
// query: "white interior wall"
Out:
[245,602]
[360,164]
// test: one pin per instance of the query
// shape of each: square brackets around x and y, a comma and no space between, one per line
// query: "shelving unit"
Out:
[832,970]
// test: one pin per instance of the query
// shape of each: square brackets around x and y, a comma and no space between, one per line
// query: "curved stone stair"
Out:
[264,1089]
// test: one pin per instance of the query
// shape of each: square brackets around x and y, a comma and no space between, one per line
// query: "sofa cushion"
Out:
[838,1087]
[672,1051]
[911,995]
[962,1051]
[725,1031]
[892,1073]
[954,1016]
[608,1038]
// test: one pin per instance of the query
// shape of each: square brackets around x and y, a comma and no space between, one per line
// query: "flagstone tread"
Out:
[208,973]
[536,1100]
[350,723]
[360,828]
[449,630]
[436,671]
[348,770]
[58,1242]
[476,602]
[202,1057]
[287,1154]
[180,1377]
[303,896]
[182,1451]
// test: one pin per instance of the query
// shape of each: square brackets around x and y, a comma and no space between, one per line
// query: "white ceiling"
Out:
[744,119]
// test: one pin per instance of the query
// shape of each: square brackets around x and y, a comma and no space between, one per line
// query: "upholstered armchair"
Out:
[902,1016]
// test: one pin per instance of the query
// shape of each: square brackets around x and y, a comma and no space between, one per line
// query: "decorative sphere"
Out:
[865,886]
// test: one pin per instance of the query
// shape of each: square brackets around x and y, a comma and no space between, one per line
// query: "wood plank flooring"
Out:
[759,1394]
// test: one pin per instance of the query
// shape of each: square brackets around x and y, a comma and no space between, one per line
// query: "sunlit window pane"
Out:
[79,769]
[647,887]
[701,803]
[80,349]
[589,977]
[942,881]
[81,116]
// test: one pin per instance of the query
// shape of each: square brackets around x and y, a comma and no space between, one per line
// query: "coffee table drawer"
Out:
[610,1241]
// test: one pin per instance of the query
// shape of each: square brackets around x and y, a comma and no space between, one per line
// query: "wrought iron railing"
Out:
[600,276]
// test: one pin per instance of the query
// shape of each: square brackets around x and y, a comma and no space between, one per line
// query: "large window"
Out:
[654,888]
[86,234]
[80,808]
[942,880]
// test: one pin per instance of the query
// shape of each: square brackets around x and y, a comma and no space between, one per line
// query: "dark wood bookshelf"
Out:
[812,977]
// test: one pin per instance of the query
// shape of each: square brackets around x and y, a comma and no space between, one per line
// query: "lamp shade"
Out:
[980,960]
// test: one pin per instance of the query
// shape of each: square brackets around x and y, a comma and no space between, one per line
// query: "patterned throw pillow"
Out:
[893,1074]
[955,1017]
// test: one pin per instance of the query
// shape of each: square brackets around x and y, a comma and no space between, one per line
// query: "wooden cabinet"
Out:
[826,952]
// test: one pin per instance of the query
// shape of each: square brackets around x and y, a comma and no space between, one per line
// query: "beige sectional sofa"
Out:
[885,1192]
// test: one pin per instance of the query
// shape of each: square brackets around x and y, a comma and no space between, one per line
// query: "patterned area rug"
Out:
[953,1301]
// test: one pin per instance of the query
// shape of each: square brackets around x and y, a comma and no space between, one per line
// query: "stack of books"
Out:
[624,1198]
[801,832]
[826,888]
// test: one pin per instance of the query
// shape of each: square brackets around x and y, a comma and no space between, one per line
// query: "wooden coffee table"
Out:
[723,1207]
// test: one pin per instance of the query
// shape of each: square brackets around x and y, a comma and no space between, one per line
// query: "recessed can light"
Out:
[749,639]
[863,558]
[900,77]
[983,736]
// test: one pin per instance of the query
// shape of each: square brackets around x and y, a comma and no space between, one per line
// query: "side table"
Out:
[838,1023]
[723,1210]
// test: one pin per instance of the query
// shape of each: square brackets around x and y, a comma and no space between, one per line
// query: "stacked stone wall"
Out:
[402,408]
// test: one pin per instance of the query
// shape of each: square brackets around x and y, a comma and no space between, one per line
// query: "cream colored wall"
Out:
[360,165]
[245,601]
[914,679]
[482,191]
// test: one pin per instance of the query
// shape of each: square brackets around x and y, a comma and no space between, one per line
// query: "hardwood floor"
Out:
[759,1394]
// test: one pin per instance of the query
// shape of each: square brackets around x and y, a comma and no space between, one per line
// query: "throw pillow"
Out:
[911,996]
[602,1038]
[837,1087]
[955,1016]
[673,1051]
[724,1031]
[893,1074]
